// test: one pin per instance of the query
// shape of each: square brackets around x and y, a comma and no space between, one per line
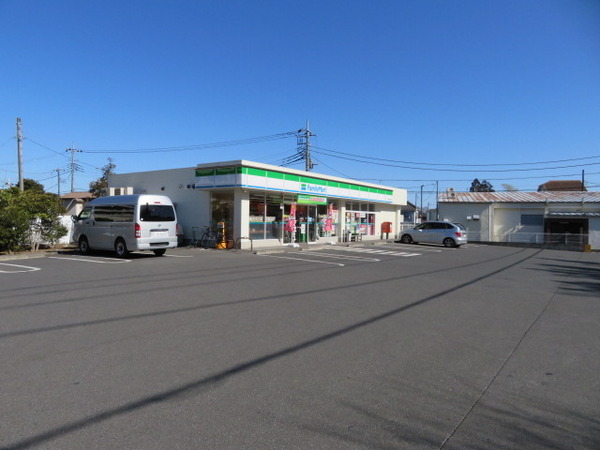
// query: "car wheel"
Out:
[449,242]
[121,248]
[160,251]
[406,239]
[84,246]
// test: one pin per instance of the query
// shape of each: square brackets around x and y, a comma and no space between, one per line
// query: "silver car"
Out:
[449,234]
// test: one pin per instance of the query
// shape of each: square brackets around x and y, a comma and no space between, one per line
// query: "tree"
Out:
[100,186]
[32,185]
[28,218]
[509,187]
[481,186]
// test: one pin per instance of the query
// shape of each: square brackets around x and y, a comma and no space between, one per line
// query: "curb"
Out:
[23,256]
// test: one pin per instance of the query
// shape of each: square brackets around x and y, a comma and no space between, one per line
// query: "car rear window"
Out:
[157,213]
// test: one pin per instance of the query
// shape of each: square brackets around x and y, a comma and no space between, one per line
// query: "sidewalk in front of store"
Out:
[317,246]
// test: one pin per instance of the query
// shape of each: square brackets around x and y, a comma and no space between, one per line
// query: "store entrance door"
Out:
[306,225]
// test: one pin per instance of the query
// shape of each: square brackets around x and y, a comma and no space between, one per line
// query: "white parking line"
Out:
[306,260]
[27,268]
[99,260]
[377,252]
[422,248]
[348,257]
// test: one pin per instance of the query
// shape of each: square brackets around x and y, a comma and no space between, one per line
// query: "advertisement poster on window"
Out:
[290,225]
[329,220]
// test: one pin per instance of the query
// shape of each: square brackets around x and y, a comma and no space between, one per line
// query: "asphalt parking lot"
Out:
[392,346]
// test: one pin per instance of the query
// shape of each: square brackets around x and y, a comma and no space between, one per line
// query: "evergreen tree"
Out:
[29,217]
[100,186]
[481,186]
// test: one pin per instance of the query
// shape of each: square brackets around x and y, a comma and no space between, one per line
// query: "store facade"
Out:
[266,205]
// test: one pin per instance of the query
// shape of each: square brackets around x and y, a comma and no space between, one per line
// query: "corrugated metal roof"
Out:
[520,197]
[573,214]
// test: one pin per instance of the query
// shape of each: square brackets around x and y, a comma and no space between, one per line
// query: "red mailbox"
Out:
[386,227]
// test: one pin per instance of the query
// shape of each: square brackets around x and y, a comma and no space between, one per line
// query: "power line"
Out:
[62,155]
[47,148]
[332,169]
[390,163]
[232,143]
[469,180]
[461,164]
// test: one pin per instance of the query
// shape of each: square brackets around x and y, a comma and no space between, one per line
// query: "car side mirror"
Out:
[74,218]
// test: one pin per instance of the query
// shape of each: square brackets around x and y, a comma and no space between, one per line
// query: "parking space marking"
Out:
[99,260]
[348,257]
[377,251]
[305,260]
[19,267]
[422,248]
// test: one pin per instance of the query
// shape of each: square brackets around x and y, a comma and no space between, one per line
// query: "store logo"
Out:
[313,188]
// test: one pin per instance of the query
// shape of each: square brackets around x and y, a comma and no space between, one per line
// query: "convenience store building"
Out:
[265,205]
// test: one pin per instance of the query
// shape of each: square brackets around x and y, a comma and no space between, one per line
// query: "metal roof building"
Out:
[536,217]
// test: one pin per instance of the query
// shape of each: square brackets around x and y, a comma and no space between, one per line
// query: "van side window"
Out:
[103,213]
[122,213]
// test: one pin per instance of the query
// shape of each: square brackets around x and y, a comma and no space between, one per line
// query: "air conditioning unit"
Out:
[450,192]
[128,190]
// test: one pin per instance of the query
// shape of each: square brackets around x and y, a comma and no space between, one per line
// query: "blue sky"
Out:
[464,89]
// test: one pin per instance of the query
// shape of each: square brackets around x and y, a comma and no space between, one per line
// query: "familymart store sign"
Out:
[308,188]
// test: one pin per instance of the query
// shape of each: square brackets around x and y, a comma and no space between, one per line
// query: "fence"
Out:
[565,241]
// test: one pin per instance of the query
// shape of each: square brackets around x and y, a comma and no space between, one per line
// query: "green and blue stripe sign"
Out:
[253,178]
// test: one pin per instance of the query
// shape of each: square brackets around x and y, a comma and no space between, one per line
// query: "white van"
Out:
[125,223]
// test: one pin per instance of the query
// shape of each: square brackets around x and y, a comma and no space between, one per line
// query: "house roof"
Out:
[520,197]
[409,207]
[78,196]
[562,185]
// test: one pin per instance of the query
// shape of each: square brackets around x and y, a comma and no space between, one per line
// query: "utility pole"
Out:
[437,200]
[421,211]
[303,141]
[59,180]
[74,166]
[20,154]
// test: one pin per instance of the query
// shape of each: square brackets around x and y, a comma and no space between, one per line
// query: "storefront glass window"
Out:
[265,216]
[270,213]
[359,220]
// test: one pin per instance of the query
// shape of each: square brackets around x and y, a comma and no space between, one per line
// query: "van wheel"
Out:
[84,246]
[160,252]
[121,248]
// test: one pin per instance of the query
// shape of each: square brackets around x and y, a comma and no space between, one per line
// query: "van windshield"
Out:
[157,213]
